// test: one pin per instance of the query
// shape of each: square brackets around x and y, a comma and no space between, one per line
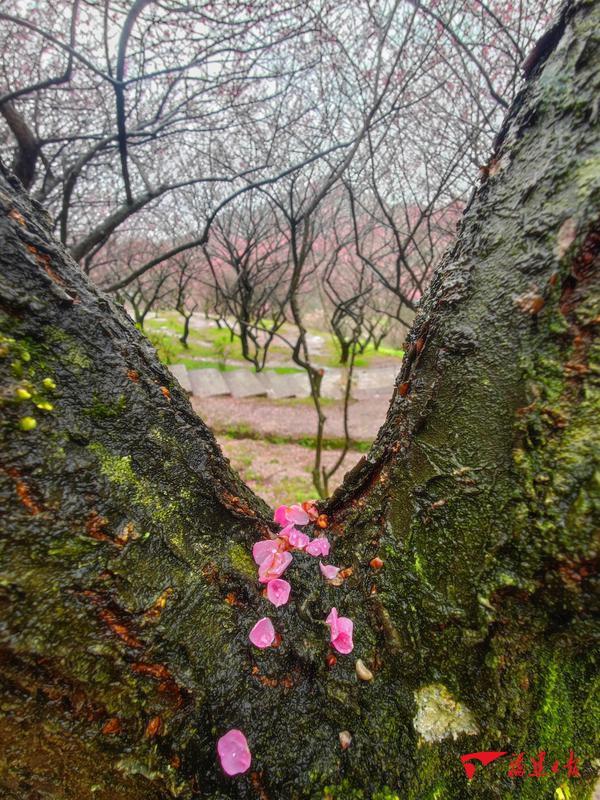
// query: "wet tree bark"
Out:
[127,588]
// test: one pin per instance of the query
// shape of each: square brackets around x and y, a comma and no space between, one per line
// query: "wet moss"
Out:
[241,561]
[71,351]
[102,409]
[141,490]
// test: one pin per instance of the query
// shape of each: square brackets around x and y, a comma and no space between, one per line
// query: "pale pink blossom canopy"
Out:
[328,571]
[341,632]
[263,633]
[278,591]
[318,546]
[274,566]
[234,753]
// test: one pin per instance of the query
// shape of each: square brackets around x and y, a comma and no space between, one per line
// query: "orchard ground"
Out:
[271,442]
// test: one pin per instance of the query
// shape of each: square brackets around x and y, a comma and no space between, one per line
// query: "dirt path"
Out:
[290,418]
[280,473]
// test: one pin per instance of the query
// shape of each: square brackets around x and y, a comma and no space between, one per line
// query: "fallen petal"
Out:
[280,515]
[297,539]
[264,549]
[318,547]
[274,566]
[341,632]
[278,591]
[234,753]
[332,621]
[297,515]
[284,533]
[328,571]
[263,633]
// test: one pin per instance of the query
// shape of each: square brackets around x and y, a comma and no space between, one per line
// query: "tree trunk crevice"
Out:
[128,588]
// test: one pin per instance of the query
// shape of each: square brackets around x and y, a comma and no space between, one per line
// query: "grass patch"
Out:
[218,348]
[243,431]
[364,359]
[304,401]
[284,370]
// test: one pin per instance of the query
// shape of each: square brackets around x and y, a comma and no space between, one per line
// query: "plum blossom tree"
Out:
[120,110]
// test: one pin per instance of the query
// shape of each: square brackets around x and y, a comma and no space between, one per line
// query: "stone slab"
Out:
[377,378]
[280,386]
[333,384]
[208,382]
[180,372]
[243,383]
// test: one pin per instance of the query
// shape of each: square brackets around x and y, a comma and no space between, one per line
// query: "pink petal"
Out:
[234,753]
[284,533]
[274,566]
[341,632]
[278,591]
[332,621]
[263,633]
[298,540]
[343,641]
[328,571]
[318,547]
[297,515]
[279,515]
[264,549]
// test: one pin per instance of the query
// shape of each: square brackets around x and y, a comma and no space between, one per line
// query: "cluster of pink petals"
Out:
[294,537]
[273,557]
[341,632]
[234,753]
[297,514]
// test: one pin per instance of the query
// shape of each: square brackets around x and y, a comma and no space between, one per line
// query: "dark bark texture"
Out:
[127,589]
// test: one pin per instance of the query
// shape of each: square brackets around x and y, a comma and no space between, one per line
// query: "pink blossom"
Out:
[234,753]
[274,566]
[318,546]
[294,514]
[341,632]
[263,633]
[328,571]
[278,591]
[265,548]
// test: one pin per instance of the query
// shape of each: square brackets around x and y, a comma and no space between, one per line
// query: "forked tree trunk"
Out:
[128,589]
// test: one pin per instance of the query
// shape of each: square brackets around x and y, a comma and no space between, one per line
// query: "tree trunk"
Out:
[186,329]
[128,589]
